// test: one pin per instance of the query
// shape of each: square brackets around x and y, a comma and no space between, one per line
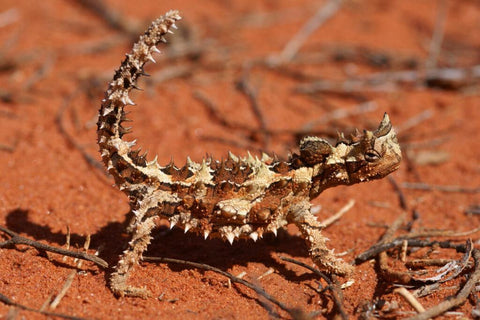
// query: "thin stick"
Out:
[9,302]
[255,288]
[439,233]
[215,113]
[437,37]
[339,214]
[338,114]
[398,242]
[244,86]
[337,295]
[443,188]
[459,299]
[322,15]
[382,258]
[113,18]
[17,239]
[450,78]
[401,196]
[410,299]
[414,121]
[61,127]
[63,291]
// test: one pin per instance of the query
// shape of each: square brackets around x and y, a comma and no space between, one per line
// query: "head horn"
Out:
[384,127]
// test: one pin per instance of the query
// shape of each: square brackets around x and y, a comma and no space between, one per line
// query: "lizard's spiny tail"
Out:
[121,161]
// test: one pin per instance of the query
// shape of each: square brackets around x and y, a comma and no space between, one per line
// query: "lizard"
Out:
[236,197]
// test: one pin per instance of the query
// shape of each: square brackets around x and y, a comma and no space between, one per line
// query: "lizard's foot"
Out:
[122,290]
[326,260]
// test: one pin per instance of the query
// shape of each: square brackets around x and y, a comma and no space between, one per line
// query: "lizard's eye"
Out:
[371,155]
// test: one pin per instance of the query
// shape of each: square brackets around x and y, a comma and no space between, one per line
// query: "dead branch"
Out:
[473,209]
[112,17]
[437,37]
[330,220]
[338,114]
[439,233]
[16,239]
[382,259]
[59,120]
[415,121]
[9,16]
[377,248]
[63,291]
[244,86]
[215,113]
[460,298]
[401,196]
[421,263]
[443,188]
[232,278]
[442,78]
[40,73]
[322,15]
[337,295]
[410,298]
[9,302]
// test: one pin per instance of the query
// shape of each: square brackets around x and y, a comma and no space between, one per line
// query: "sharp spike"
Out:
[230,237]
[250,157]
[206,233]
[254,236]
[149,57]
[232,156]
[172,224]
[274,231]
[155,49]
[187,227]
[266,157]
[126,100]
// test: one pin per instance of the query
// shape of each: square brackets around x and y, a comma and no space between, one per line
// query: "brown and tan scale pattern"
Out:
[240,197]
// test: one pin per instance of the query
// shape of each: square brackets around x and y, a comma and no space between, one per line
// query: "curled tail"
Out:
[125,164]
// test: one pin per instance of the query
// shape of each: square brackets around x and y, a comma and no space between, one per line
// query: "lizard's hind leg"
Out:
[311,229]
[141,237]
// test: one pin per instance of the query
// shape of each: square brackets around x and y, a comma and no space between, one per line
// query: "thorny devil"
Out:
[233,198]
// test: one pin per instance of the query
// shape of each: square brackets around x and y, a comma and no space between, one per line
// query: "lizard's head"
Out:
[372,155]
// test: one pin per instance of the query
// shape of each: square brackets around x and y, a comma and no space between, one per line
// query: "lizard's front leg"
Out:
[311,228]
[141,231]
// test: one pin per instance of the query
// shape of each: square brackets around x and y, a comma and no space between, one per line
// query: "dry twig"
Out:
[410,298]
[16,239]
[339,214]
[322,15]
[437,37]
[9,302]
[337,295]
[63,291]
[244,86]
[459,299]
[232,278]
[431,187]
[59,119]
[113,18]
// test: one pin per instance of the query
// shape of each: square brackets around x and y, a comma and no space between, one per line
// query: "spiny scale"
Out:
[239,197]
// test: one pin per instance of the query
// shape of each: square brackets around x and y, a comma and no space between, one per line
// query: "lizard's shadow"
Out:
[174,244]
